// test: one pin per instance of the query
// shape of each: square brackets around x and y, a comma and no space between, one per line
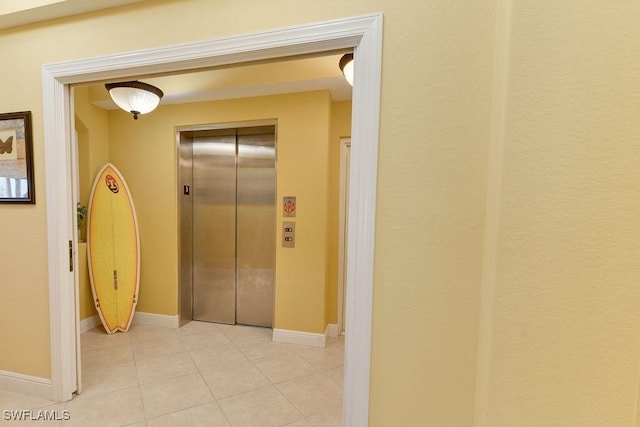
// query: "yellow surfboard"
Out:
[113,250]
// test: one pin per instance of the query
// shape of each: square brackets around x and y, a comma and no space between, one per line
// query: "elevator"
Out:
[227,199]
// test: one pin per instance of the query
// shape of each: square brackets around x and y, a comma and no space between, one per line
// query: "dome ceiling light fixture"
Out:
[346,65]
[135,97]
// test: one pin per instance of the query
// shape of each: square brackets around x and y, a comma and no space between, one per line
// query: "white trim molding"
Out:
[363,34]
[139,318]
[152,319]
[25,384]
[298,337]
[89,323]
[332,330]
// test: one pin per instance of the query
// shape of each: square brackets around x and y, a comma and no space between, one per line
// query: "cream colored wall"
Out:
[563,341]
[92,125]
[340,127]
[432,166]
[432,170]
[13,6]
[566,320]
[426,118]
[145,152]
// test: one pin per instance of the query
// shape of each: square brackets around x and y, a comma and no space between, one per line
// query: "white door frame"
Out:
[363,34]
[345,144]
[75,182]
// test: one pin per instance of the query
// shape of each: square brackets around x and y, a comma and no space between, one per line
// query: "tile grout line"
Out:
[135,363]
[272,384]
[215,399]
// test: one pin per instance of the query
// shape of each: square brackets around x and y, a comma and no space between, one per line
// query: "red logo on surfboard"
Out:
[112,184]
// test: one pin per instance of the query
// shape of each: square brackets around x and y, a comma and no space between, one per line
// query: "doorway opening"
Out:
[364,34]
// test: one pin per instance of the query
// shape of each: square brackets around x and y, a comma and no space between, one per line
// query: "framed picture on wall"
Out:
[16,158]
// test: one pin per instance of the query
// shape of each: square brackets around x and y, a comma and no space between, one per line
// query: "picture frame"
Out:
[16,159]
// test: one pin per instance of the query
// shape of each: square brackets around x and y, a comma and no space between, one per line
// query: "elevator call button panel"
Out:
[288,234]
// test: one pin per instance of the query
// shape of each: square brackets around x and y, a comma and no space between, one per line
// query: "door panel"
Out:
[228,225]
[256,228]
[214,225]
[185,158]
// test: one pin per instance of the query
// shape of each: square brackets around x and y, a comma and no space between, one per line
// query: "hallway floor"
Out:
[202,374]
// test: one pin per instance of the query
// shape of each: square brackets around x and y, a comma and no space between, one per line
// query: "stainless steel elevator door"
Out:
[214,228]
[185,177]
[229,248]
[256,227]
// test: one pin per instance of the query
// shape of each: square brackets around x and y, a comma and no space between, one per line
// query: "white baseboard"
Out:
[25,384]
[139,318]
[152,319]
[89,323]
[332,330]
[298,337]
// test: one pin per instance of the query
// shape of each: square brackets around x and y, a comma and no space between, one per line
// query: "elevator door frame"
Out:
[186,292]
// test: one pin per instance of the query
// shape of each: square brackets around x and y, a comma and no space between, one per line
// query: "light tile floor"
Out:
[202,374]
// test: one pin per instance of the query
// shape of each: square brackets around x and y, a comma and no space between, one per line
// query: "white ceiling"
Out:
[296,75]
[14,13]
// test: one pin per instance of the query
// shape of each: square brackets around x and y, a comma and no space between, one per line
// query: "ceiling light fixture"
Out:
[135,97]
[346,65]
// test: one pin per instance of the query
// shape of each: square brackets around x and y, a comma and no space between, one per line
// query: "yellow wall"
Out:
[145,152]
[158,287]
[435,111]
[92,126]
[563,340]
[566,319]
